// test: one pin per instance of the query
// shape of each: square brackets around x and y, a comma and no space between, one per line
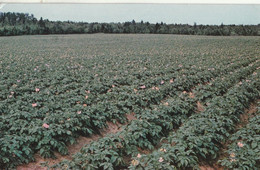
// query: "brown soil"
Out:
[144,151]
[81,141]
[206,168]
[200,107]
[131,116]
[248,114]
[211,168]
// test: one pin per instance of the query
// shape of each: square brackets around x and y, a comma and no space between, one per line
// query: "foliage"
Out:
[57,88]
[244,151]
[25,24]
[201,136]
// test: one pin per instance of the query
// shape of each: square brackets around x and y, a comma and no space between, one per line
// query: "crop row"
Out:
[202,135]
[56,88]
[203,92]
[229,81]
[21,141]
[244,150]
[44,139]
[64,125]
[142,133]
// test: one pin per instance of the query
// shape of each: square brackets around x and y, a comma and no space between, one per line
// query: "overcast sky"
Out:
[169,13]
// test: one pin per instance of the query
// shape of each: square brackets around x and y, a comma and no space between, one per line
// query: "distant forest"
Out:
[25,24]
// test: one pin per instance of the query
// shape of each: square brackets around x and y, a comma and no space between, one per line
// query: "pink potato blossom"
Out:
[34,104]
[161,159]
[37,89]
[240,144]
[45,125]
[139,155]
[143,87]
[79,112]
[162,82]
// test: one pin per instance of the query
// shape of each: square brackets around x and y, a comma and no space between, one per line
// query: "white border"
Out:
[136,1]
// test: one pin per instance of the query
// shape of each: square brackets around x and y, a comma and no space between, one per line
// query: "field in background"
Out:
[186,95]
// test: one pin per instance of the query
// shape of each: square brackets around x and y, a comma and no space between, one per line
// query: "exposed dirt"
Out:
[215,167]
[206,168]
[144,151]
[200,107]
[248,114]
[131,116]
[81,141]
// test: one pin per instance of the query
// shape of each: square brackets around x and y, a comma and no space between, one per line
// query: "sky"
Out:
[167,13]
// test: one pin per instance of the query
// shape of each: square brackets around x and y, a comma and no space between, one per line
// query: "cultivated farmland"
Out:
[177,102]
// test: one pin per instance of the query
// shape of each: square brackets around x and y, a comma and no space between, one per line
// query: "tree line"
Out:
[25,24]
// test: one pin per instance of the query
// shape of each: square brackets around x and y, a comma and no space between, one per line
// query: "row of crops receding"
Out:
[54,89]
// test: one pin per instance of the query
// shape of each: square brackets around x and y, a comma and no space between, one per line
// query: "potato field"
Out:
[175,102]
